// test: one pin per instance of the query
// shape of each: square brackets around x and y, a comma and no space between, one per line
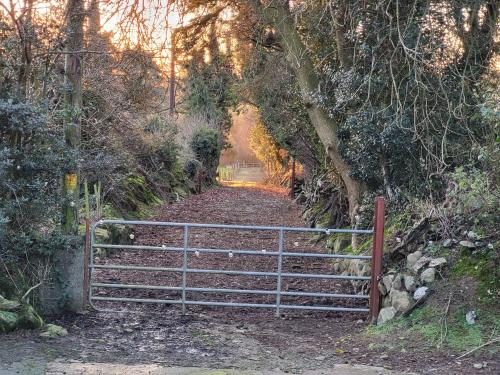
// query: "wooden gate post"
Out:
[86,255]
[378,247]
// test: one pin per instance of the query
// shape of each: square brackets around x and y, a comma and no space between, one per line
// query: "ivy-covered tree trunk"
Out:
[279,15]
[73,105]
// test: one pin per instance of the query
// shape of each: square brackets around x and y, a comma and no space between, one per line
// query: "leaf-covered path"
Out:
[259,205]
[211,338]
[256,206]
[219,338]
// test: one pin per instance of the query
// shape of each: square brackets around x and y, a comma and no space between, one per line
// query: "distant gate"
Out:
[280,254]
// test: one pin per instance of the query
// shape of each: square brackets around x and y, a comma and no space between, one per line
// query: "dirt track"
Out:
[227,205]
[221,338]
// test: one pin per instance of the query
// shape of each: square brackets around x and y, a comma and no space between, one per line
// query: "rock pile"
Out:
[401,290]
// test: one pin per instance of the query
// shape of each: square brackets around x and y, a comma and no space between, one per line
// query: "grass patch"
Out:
[456,335]
[364,247]
[386,329]
[225,172]
[204,337]
[482,265]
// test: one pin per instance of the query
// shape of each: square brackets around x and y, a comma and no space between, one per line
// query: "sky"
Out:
[157,19]
[160,15]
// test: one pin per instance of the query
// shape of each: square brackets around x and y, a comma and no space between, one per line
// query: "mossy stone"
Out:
[8,305]
[53,331]
[29,318]
[8,321]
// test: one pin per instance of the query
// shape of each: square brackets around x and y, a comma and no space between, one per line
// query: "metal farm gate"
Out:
[187,293]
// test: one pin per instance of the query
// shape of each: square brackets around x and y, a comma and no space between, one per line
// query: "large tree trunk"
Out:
[94,28]
[73,105]
[278,13]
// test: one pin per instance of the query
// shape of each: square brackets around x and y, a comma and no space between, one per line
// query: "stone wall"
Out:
[63,291]
[401,290]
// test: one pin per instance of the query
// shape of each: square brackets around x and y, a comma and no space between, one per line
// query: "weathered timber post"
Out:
[378,247]
[86,256]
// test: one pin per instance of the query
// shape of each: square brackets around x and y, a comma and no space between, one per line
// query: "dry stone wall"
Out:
[402,290]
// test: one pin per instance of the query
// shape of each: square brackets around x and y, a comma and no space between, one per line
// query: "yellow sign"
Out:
[71,181]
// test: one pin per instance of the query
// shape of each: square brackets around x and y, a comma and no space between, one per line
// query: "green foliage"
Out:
[272,87]
[135,162]
[206,146]
[158,177]
[31,164]
[267,151]
[209,91]
[474,200]
[225,173]
[164,158]
[159,125]
[368,141]
[30,256]
[30,170]
[33,158]
[473,191]
[403,111]
[389,118]
[137,195]
[126,131]
[8,321]
[143,76]
[459,335]
[483,266]
[140,170]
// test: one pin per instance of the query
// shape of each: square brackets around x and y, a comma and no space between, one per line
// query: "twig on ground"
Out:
[30,290]
[496,339]
[444,323]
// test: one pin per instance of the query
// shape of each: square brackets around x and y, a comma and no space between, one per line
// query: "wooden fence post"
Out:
[378,248]
[86,255]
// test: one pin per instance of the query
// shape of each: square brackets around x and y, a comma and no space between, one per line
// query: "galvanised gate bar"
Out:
[278,274]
